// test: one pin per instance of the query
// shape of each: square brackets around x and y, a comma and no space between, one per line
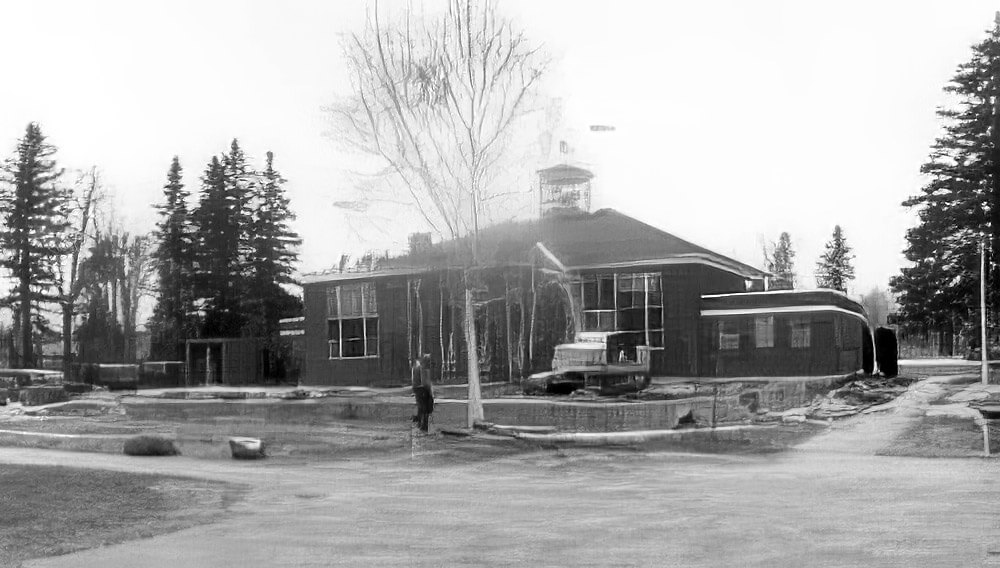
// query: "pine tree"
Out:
[36,215]
[781,264]
[273,256]
[960,203]
[174,259]
[835,269]
[223,220]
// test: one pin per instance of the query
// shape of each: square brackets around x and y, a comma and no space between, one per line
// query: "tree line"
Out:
[216,267]
[224,262]
[959,206]
[834,269]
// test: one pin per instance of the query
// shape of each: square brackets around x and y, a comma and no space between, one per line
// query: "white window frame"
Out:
[649,327]
[366,289]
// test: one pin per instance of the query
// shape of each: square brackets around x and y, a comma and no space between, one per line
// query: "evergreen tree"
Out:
[835,269]
[174,260]
[222,220]
[960,203]
[36,216]
[781,264]
[273,256]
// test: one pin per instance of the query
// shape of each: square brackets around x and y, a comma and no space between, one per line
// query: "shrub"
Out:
[146,445]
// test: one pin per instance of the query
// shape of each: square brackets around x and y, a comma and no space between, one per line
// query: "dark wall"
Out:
[417,314]
[828,353]
[390,368]
[683,286]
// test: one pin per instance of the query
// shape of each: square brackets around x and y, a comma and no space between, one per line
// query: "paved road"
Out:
[831,502]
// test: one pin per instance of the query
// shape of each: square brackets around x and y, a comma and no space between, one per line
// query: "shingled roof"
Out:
[572,241]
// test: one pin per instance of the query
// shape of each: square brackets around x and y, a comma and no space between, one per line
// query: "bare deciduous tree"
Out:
[437,100]
[83,203]
[137,275]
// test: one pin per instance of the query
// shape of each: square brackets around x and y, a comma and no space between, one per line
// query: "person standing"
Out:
[423,391]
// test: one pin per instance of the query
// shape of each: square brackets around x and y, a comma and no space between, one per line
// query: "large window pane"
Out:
[729,335]
[607,292]
[590,294]
[350,301]
[656,338]
[331,302]
[371,340]
[353,337]
[764,331]
[655,318]
[371,305]
[801,333]
[631,320]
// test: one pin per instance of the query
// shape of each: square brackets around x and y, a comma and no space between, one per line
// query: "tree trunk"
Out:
[524,326]
[475,403]
[409,323]
[510,333]
[27,347]
[420,319]
[441,323]
[531,330]
[67,327]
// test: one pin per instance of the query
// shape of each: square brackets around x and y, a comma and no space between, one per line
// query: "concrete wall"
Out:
[728,402]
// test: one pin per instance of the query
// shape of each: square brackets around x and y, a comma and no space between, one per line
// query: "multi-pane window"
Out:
[800,332]
[764,331]
[640,306]
[352,321]
[624,302]
[599,303]
[729,335]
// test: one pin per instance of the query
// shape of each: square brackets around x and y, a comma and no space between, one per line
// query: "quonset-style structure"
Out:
[784,333]
[540,283]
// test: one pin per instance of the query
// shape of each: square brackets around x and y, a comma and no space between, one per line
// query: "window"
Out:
[599,303]
[352,321]
[729,335]
[624,302]
[801,333]
[764,331]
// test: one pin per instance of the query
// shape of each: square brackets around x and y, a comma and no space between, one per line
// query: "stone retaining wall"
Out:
[718,403]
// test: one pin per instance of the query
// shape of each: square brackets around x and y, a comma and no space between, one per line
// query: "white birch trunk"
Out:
[475,403]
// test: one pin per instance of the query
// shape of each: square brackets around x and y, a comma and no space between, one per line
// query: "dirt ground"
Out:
[831,500]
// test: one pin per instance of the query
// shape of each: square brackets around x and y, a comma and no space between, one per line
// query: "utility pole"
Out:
[984,347]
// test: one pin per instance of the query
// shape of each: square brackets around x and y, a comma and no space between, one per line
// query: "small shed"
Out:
[222,361]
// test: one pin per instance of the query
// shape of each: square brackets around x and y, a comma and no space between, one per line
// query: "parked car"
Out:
[603,362]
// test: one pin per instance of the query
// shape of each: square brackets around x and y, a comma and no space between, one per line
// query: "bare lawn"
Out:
[50,510]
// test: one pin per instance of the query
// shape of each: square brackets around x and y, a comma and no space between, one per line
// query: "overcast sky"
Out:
[734,120]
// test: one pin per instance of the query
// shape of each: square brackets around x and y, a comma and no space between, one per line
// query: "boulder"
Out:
[246,448]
